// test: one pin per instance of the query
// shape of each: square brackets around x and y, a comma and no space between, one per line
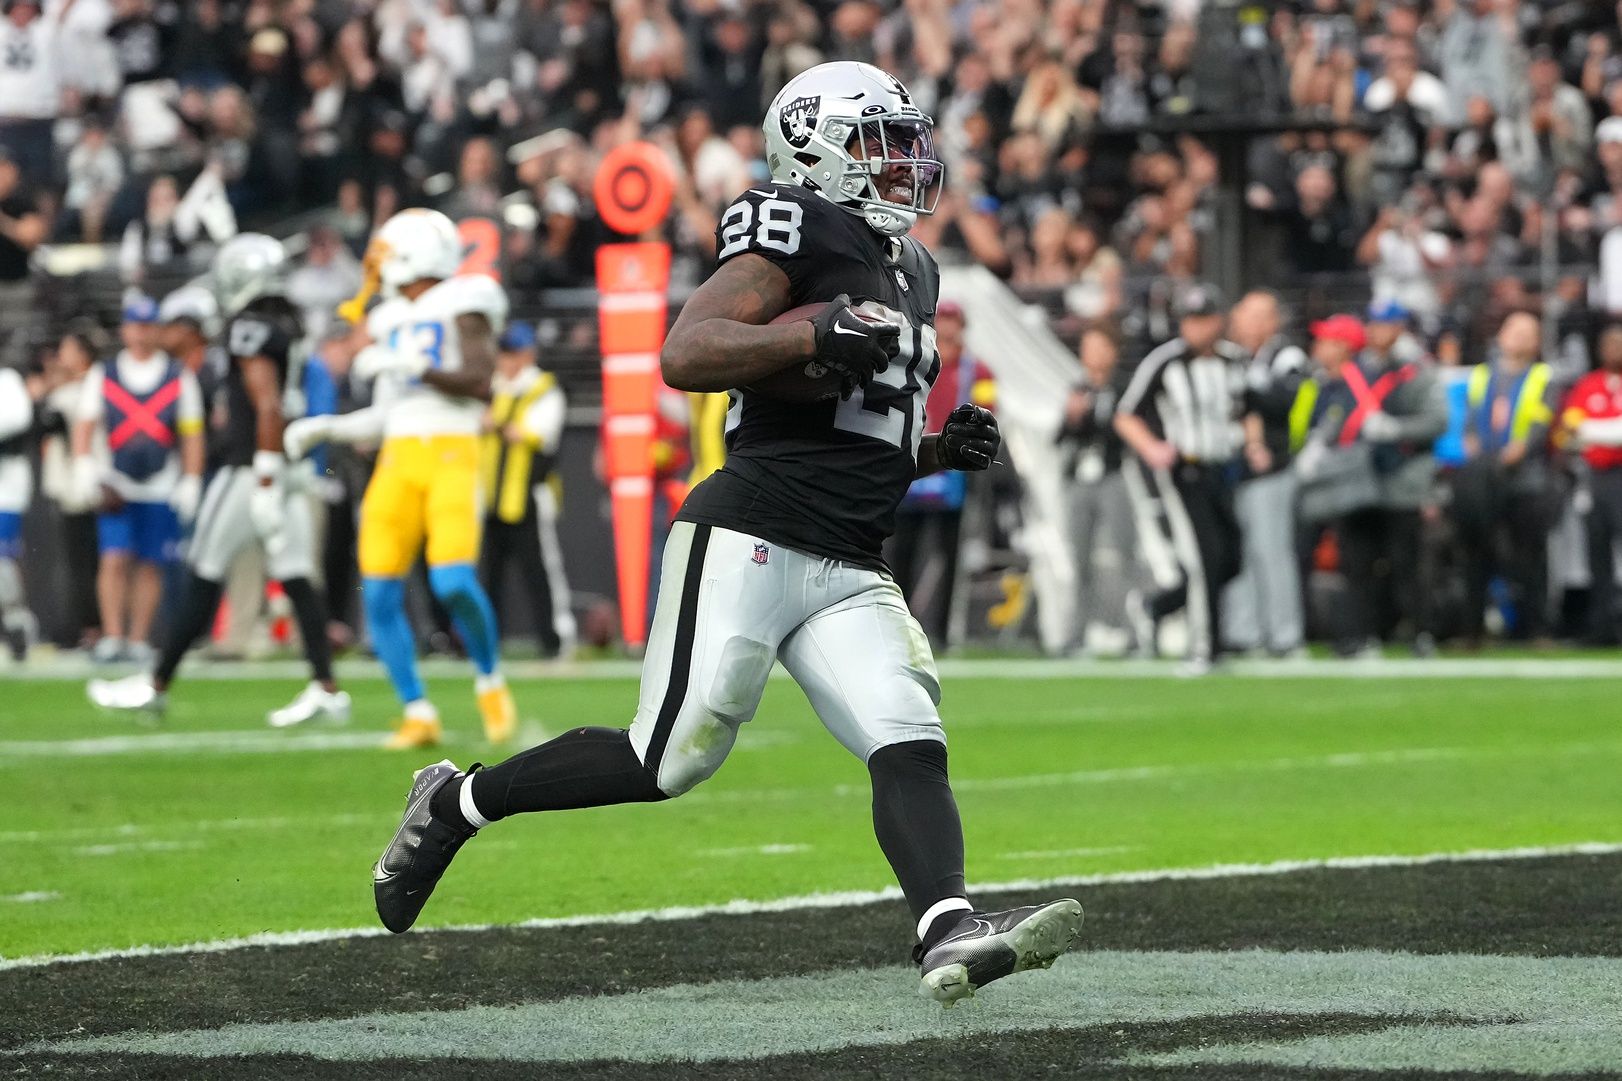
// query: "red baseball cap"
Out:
[950,309]
[1340,328]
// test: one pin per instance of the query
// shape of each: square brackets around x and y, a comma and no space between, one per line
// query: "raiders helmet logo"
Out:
[799,120]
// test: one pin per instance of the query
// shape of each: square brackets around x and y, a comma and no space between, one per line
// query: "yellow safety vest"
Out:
[1530,407]
[506,468]
[1306,400]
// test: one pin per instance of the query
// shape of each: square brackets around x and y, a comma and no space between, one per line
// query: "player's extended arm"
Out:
[259,378]
[265,504]
[721,338]
[193,452]
[478,360]
[360,426]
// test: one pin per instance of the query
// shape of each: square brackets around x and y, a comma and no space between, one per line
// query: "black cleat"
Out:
[410,867]
[986,946]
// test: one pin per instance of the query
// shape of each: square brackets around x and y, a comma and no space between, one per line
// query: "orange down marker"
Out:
[633,190]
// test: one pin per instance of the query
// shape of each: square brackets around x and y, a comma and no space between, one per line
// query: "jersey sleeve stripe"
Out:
[1148,369]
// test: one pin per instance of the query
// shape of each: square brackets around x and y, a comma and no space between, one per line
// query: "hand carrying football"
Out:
[851,345]
[969,439]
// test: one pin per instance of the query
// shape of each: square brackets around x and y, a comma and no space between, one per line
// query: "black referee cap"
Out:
[1201,298]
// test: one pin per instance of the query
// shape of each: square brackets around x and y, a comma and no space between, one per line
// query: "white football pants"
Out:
[225,526]
[731,604]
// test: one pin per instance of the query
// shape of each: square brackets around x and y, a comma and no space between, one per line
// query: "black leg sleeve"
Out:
[915,818]
[493,566]
[586,767]
[196,613]
[311,614]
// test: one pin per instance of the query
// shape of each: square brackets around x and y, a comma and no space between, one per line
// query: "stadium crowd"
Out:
[1449,166]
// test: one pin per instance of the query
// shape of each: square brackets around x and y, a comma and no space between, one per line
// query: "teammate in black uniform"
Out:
[253,495]
[776,556]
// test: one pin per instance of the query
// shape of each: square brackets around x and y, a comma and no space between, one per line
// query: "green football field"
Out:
[213,827]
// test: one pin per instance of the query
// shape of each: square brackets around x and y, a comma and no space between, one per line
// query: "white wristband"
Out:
[267,464]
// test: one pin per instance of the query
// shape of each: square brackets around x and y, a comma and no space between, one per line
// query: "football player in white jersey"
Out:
[432,355]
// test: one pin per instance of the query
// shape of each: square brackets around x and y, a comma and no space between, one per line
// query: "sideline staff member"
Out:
[517,453]
[1180,415]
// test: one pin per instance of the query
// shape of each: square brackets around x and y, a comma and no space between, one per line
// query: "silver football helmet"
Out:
[247,267]
[850,133]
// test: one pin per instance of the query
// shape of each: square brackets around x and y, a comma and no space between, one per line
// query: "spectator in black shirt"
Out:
[1318,226]
[140,42]
[22,229]
[205,46]
[730,55]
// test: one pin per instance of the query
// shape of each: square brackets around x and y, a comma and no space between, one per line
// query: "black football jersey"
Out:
[826,477]
[268,327]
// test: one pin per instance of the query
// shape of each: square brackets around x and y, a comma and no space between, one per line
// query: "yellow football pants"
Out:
[424,486]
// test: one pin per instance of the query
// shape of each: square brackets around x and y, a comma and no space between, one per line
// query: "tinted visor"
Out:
[899,142]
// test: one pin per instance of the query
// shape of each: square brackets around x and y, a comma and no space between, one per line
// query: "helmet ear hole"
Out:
[810,161]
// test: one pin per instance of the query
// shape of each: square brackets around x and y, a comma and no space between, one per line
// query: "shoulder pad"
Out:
[468,293]
[919,265]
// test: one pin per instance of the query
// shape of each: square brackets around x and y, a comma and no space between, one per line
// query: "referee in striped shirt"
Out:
[1181,417]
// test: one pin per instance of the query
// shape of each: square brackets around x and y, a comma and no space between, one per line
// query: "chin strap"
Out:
[889,222]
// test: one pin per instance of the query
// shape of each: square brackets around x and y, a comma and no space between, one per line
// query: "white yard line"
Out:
[126,847]
[178,742]
[265,741]
[104,836]
[127,830]
[1065,853]
[756,850]
[844,899]
[1156,772]
[32,897]
[294,672]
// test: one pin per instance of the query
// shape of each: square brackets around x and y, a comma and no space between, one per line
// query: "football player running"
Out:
[254,494]
[776,556]
[432,355]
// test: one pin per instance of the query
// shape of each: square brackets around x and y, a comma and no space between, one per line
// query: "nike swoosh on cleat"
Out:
[972,932]
[410,810]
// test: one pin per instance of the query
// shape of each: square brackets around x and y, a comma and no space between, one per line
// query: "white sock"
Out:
[940,908]
[464,799]
[421,710]
[493,681]
[11,588]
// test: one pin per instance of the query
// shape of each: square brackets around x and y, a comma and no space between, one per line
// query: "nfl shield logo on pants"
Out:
[762,553]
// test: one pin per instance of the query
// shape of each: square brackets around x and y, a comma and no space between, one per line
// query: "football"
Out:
[807,382]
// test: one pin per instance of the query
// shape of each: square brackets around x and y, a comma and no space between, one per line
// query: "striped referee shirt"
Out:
[1194,402]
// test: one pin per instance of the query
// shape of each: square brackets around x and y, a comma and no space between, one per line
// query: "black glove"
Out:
[852,346]
[969,439]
